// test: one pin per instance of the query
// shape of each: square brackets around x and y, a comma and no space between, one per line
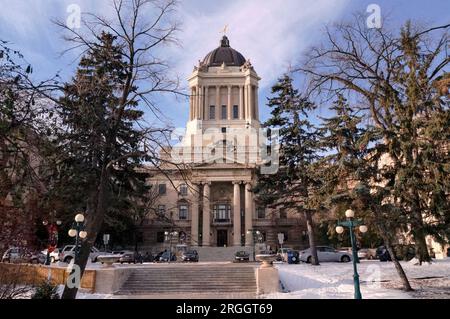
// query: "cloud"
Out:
[272,34]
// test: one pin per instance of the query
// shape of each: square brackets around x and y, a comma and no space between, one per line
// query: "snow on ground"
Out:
[379,280]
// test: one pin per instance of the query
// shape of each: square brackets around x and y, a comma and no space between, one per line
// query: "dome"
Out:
[224,54]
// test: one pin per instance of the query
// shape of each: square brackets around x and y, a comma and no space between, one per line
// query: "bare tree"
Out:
[392,78]
[142,28]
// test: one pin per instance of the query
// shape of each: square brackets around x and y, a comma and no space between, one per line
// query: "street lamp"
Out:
[351,224]
[170,235]
[255,234]
[78,231]
[52,229]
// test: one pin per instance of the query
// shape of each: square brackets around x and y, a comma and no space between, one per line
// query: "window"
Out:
[224,129]
[286,237]
[162,189]
[283,214]
[162,210]
[183,190]
[224,112]
[222,212]
[261,212]
[212,112]
[160,237]
[235,112]
[183,212]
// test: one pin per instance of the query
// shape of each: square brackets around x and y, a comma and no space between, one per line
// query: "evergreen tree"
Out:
[349,174]
[101,146]
[293,185]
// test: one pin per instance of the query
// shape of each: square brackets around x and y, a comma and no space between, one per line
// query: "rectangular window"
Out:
[183,190]
[224,112]
[212,112]
[235,112]
[283,214]
[224,129]
[162,210]
[160,237]
[183,212]
[162,189]
[222,212]
[261,213]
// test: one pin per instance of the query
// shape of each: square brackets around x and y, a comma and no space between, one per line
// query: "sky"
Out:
[272,34]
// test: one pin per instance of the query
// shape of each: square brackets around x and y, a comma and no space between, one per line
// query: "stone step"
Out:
[185,279]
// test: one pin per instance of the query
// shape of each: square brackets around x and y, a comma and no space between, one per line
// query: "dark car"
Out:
[130,257]
[241,256]
[164,257]
[293,257]
[148,257]
[382,254]
[190,255]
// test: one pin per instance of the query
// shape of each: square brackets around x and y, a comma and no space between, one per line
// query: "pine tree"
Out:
[349,173]
[293,185]
[101,146]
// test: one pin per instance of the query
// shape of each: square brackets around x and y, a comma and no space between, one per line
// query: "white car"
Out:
[326,254]
[54,255]
[68,253]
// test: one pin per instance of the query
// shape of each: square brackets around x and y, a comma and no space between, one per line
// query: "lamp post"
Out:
[255,234]
[169,236]
[78,231]
[52,229]
[351,224]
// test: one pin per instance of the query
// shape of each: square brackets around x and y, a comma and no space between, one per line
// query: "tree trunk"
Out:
[312,241]
[422,253]
[398,267]
[94,223]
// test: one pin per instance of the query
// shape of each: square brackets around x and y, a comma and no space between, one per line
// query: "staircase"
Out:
[170,279]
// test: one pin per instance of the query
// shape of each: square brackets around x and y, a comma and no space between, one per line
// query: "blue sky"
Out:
[273,34]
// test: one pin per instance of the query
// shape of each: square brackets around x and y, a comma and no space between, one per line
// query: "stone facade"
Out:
[209,201]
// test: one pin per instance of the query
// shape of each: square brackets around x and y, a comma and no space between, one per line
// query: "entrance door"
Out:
[222,238]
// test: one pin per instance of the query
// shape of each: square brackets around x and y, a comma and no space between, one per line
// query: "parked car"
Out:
[130,257]
[54,255]
[326,254]
[383,254]
[190,255]
[148,257]
[21,255]
[68,253]
[242,256]
[367,253]
[282,254]
[164,256]
[293,257]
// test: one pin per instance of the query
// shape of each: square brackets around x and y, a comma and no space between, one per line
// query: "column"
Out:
[250,102]
[237,214]
[246,101]
[229,106]
[248,214]
[206,237]
[256,104]
[191,106]
[194,215]
[199,101]
[202,98]
[218,106]
[241,102]
[206,110]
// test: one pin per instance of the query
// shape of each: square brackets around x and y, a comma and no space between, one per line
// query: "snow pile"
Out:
[335,280]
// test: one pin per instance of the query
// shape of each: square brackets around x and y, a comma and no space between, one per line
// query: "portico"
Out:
[227,211]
